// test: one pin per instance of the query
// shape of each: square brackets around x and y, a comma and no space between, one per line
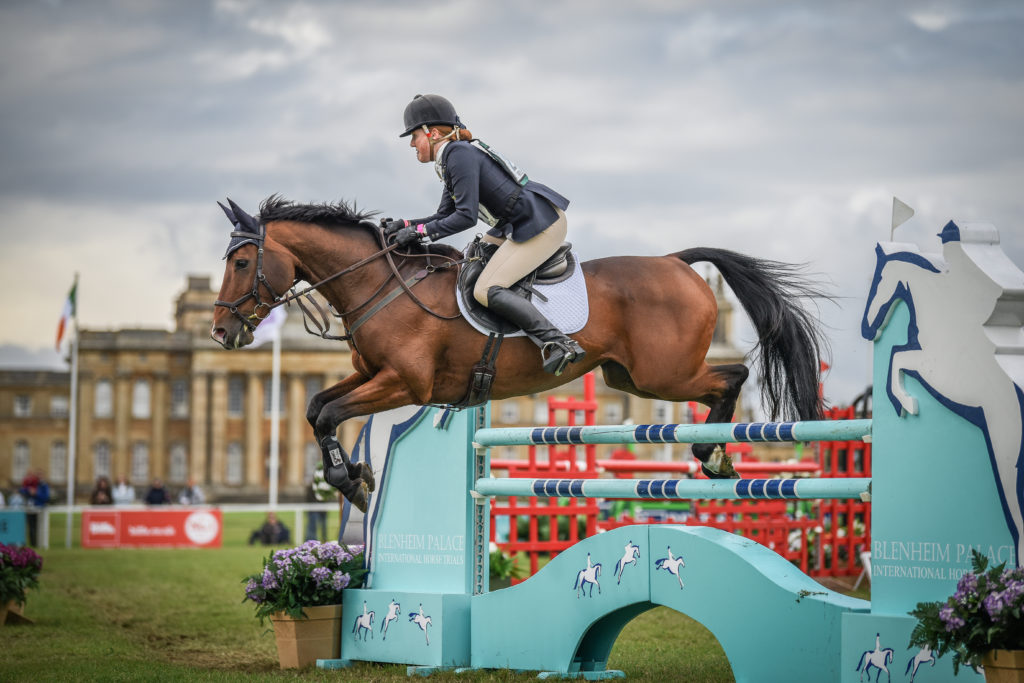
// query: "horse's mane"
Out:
[277,208]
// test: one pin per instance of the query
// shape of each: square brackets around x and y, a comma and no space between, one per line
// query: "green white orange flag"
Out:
[67,314]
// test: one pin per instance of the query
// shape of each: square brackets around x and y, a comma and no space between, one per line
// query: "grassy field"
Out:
[178,615]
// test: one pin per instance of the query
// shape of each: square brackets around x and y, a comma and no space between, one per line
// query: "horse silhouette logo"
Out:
[394,609]
[588,575]
[364,624]
[924,655]
[878,658]
[968,371]
[630,556]
[671,564]
[421,620]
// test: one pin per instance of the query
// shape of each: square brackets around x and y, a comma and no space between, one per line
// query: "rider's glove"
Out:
[392,226]
[408,235]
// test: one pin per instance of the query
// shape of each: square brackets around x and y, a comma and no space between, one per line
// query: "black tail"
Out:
[790,342]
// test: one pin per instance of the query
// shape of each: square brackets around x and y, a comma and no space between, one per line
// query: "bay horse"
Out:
[651,323]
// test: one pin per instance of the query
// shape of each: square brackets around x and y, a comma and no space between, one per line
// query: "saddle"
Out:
[557,268]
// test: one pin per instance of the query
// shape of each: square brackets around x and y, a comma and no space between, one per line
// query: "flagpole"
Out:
[275,427]
[72,416]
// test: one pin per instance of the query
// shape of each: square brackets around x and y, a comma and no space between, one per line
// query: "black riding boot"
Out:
[343,475]
[556,349]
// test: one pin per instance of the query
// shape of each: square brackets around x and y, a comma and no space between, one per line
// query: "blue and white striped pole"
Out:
[678,489]
[822,430]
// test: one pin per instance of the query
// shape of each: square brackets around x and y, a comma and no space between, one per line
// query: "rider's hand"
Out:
[392,226]
[407,235]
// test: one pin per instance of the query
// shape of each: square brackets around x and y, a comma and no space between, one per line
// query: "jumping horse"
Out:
[651,324]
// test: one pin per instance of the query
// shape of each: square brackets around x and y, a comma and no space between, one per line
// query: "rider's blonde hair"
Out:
[450,133]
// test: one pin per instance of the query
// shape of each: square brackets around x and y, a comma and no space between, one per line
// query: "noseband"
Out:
[254,293]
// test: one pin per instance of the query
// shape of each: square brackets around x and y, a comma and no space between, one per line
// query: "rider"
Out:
[527,219]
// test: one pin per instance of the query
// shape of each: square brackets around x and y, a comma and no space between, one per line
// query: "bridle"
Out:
[278,300]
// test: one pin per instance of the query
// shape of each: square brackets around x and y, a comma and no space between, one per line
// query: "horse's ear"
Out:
[246,222]
[229,213]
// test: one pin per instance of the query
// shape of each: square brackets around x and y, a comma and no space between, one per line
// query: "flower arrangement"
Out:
[19,571]
[985,613]
[310,575]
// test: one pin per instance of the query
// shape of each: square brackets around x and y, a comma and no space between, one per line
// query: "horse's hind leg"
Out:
[723,405]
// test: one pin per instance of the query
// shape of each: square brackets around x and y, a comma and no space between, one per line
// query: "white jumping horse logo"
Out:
[877,658]
[630,556]
[422,621]
[671,564]
[925,655]
[364,624]
[394,609]
[969,370]
[588,575]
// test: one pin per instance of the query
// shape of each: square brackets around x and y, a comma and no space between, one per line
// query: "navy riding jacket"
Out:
[471,177]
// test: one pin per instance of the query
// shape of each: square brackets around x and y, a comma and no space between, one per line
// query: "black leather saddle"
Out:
[559,267]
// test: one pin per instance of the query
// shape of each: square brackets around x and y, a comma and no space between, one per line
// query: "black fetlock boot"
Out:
[556,349]
[337,473]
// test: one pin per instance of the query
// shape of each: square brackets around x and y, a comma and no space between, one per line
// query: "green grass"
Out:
[138,614]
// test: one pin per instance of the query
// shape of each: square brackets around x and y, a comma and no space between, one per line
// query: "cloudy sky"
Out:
[779,129]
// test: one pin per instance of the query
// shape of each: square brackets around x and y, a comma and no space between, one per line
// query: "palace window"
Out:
[20,463]
[22,405]
[510,411]
[140,462]
[59,462]
[312,460]
[266,398]
[179,398]
[661,412]
[236,395]
[177,470]
[101,459]
[233,475]
[141,399]
[613,412]
[58,406]
[314,385]
[104,399]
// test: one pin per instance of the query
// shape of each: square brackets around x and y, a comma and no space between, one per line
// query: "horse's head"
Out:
[257,272]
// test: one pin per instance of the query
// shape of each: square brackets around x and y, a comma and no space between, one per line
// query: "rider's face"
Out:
[420,141]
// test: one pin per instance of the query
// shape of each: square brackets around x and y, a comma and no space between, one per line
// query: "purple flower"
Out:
[269,580]
[966,588]
[339,580]
[950,619]
[320,575]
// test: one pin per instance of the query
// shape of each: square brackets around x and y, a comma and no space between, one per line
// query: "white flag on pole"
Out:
[270,327]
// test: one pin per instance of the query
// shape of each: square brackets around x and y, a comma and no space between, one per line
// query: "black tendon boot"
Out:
[338,472]
[556,349]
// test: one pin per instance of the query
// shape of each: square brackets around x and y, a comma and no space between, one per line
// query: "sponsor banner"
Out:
[150,528]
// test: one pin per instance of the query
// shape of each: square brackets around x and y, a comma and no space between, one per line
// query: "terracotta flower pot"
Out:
[1004,666]
[10,613]
[300,642]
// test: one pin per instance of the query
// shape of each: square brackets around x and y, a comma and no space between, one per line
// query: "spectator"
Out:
[102,494]
[316,520]
[2,502]
[36,493]
[124,494]
[157,494]
[191,494]
[273,532]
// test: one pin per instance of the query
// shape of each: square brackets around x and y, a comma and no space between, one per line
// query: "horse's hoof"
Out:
[366,474]
[719,466]
[360,497]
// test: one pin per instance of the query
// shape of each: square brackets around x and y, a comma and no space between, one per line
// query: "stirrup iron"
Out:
[556,355]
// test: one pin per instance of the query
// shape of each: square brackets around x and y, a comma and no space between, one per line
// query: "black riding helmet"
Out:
[429,110]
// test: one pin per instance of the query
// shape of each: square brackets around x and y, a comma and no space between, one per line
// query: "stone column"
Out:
[218,424]
[254,445]
[160,410]
[84,441]
[121,457]
[296,429]
[199,466]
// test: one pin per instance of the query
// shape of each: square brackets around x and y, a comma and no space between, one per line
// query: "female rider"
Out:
[527,219]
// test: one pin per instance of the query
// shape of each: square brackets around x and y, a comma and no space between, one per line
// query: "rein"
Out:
[405,286]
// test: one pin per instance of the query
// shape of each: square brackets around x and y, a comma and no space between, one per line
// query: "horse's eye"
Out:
[241,264]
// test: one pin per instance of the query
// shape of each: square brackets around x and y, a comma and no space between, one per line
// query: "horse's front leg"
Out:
[332,393]
[383,391]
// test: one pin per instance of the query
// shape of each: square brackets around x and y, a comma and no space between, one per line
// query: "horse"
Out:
[630,556]
[965,371]
[915,662]
[672,565]
[650,326]
[588,575]
[422,621]
[364,624]
[394,609]
[878,658]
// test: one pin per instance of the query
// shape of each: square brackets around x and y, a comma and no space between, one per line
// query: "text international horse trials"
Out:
[651,322]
